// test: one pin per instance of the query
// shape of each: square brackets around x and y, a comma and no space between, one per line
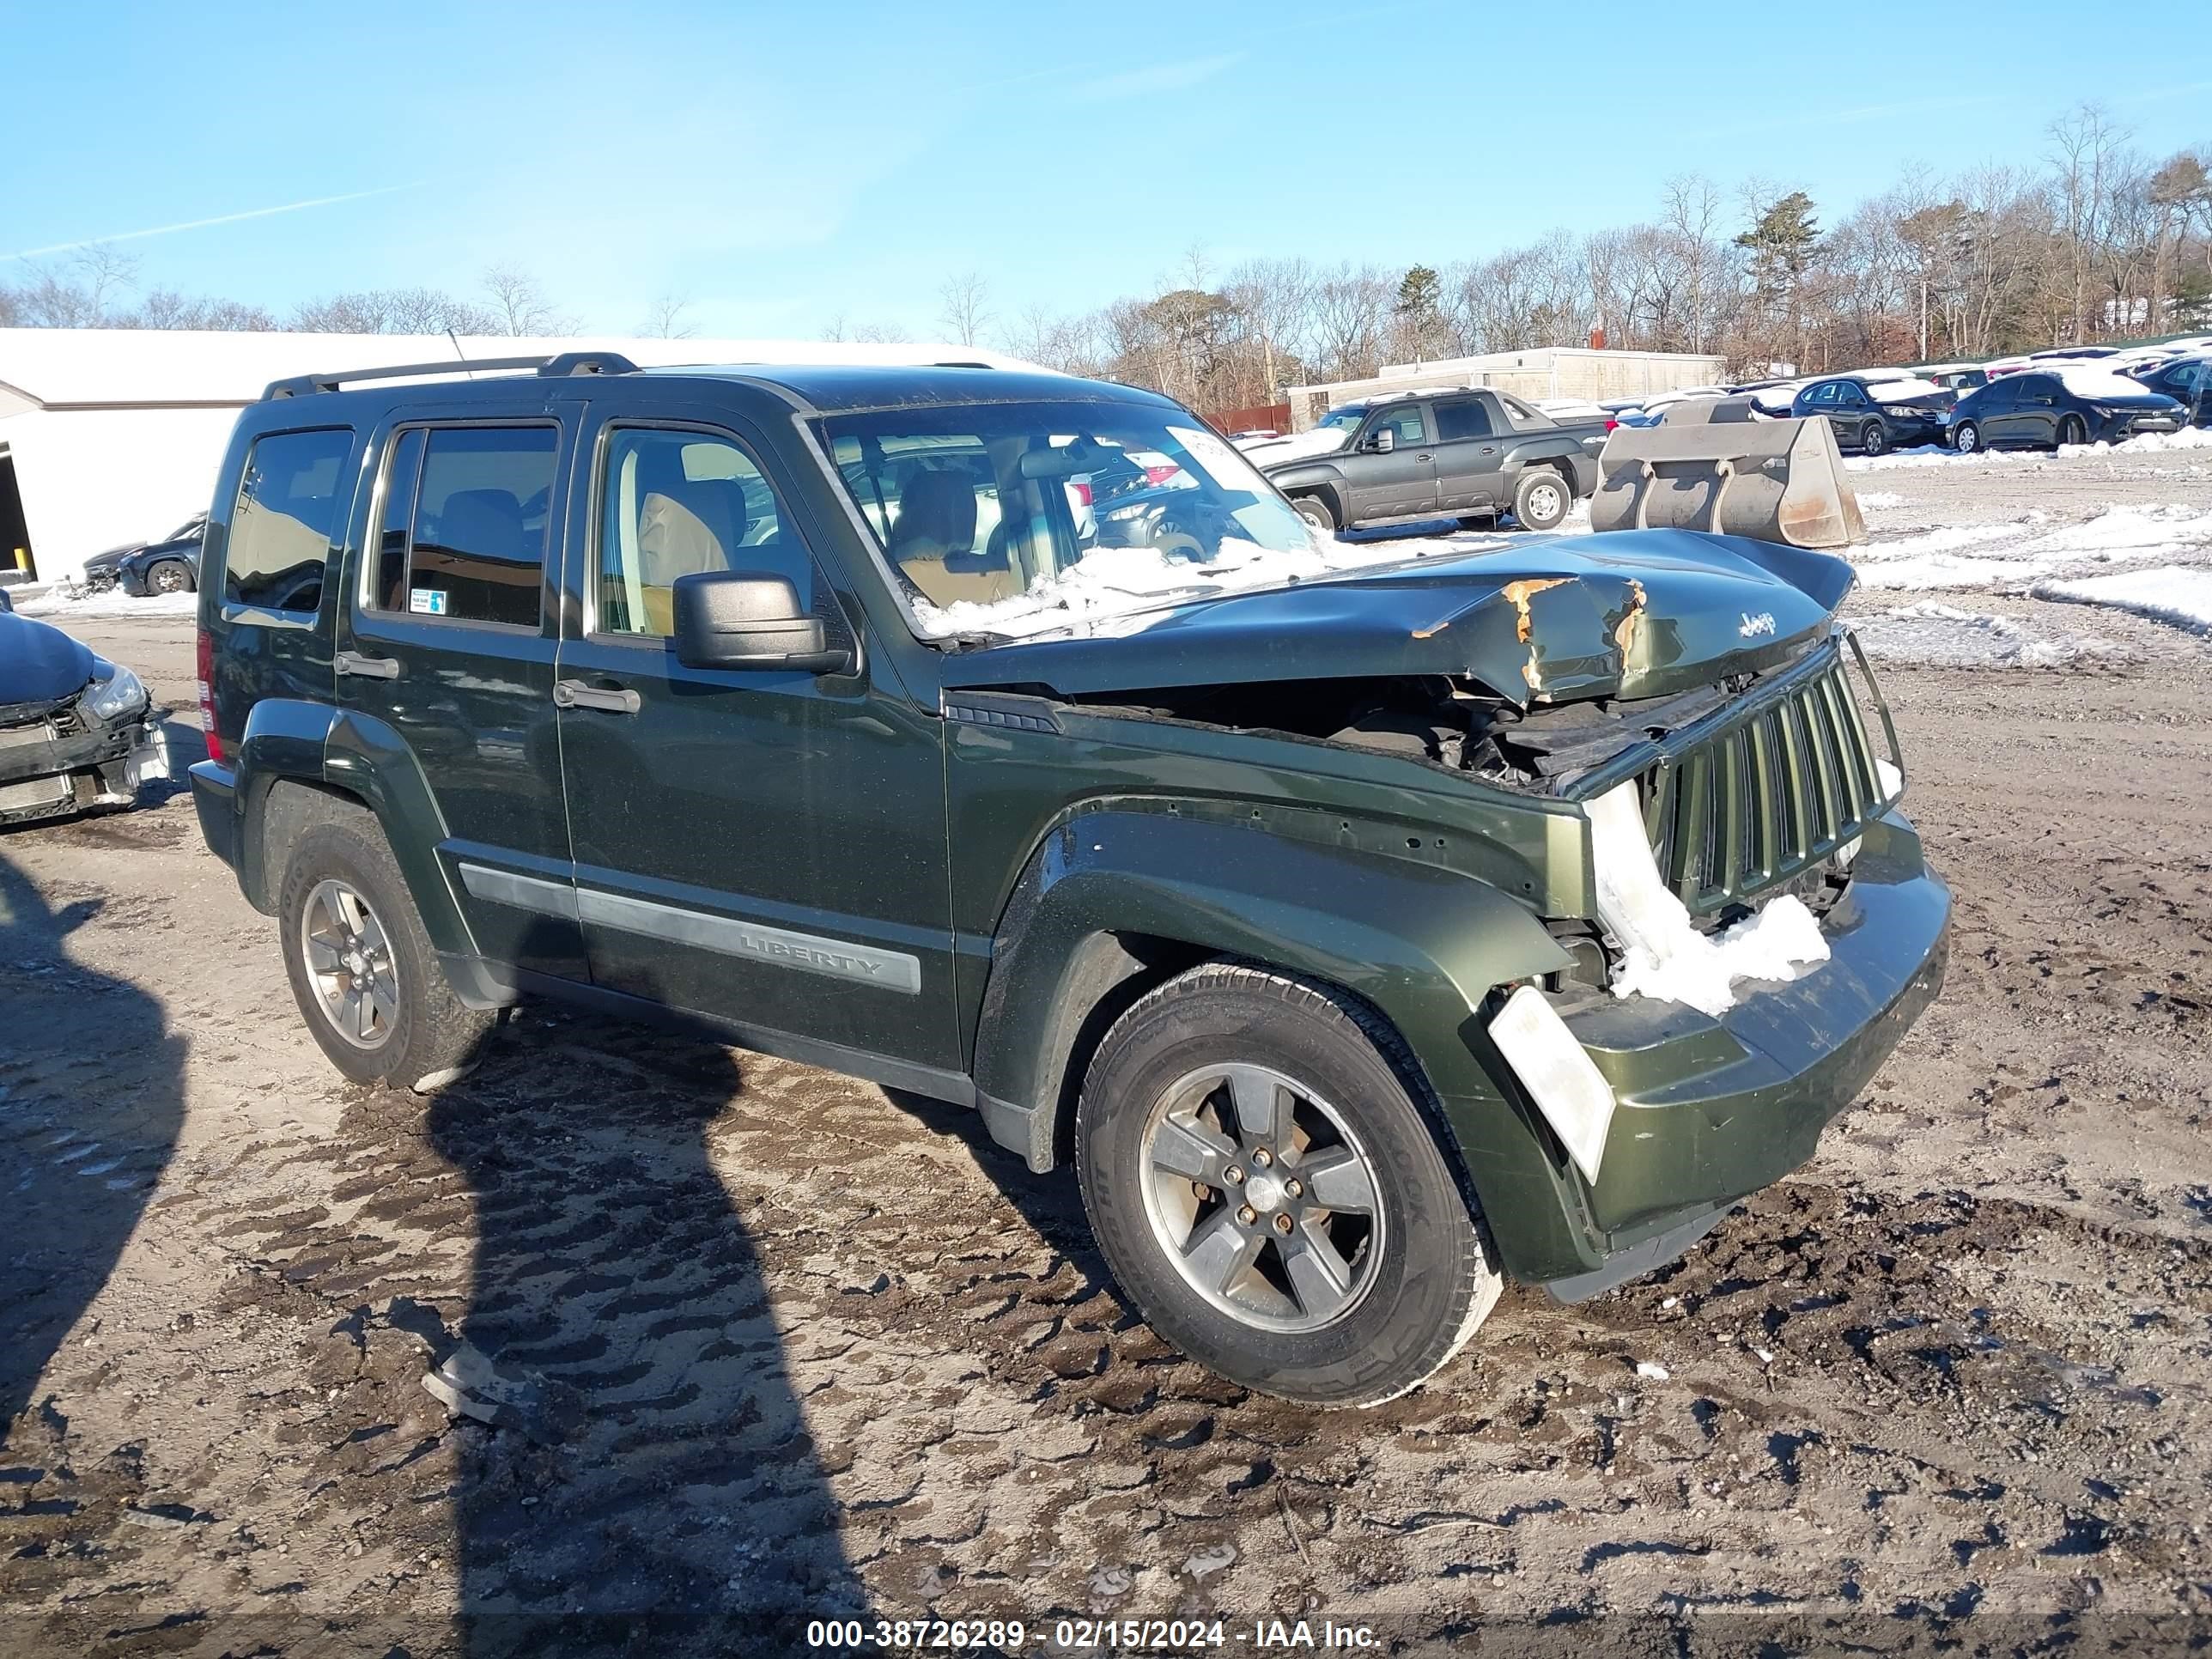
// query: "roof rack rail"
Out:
[558,366]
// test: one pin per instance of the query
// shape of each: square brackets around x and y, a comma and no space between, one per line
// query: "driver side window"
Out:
[678,503]
[1406,423]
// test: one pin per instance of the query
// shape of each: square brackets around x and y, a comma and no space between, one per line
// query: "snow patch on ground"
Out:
[1986,555]
[2172,593]
[1936,635]
[65,604]
[2148,443]
[1879,501]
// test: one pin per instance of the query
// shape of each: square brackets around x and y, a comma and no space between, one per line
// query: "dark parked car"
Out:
[104,570]
[74,731]
[1469,454]
[2187,380]
[1867,420]
[1315,901]
[2043,408]
[171,565]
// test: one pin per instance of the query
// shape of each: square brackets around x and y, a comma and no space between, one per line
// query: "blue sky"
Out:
[782,164]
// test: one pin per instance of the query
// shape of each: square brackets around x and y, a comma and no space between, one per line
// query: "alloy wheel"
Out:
[1262,1197]
[350,962]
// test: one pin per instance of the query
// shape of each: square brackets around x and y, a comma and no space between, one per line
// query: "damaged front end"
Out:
[1748,927]
[93,747]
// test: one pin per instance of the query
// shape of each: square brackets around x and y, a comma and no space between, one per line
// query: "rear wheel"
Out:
[1873,438]
[2073,430]
[169,576]
[1541,500]
[1264,1183]
[1966,437]
[1316,511]
[362,970]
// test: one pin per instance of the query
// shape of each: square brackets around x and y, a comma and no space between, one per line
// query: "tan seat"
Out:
[933,543]
[672,541]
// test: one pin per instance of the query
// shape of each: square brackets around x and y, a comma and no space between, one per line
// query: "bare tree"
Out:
[967,310]
[667,317]
[519,305]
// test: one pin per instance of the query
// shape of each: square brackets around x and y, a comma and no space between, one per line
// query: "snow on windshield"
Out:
[1015,518]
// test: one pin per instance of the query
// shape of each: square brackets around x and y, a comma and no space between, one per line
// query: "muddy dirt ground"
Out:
[782,1344]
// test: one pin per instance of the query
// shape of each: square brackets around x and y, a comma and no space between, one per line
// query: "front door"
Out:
[2035,419]
[767,846]
[446,643]
[1468,467]
[1402,482]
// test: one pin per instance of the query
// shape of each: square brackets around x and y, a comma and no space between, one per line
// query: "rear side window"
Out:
[1467,420]
[464,530]
[287,508]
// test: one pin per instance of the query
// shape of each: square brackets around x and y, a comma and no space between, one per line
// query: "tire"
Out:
[1542,500]
[416,1033]
[1161,1125]
[1873,439]
[1316,511]
[2072,430]
[1967,438]
[169,576]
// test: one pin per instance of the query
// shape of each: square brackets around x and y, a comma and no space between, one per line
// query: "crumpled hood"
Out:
[1631,614]
[1298,446]
[38,664]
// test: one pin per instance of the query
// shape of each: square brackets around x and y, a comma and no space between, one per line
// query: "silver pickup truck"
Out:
[1469,454]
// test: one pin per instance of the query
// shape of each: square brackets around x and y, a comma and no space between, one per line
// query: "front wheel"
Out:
[362,970]
[1316,511]
[1263,1181]
[1541,500]
[170,576]
[1966,437]
[1875,439]
[2072,431]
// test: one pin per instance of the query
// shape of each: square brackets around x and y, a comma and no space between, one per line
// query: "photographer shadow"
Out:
[636,1465]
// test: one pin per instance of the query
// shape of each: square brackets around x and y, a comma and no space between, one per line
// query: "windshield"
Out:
[1004,518]
[1350,416]
[190,527]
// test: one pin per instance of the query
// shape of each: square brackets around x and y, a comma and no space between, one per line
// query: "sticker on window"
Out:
[427,601]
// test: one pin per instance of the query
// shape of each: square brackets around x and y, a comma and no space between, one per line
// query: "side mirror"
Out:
[1383,440]
[745,619]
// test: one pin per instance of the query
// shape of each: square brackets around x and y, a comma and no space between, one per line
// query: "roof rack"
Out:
[560,366]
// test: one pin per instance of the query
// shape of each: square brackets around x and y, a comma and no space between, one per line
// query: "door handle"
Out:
[1424,456]
[1490,449]
[368,668]
[575,694]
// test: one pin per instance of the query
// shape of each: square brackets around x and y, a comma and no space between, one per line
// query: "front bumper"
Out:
[1710,1110]
[64,771]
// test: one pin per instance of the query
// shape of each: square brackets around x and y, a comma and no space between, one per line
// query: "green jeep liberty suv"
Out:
[1367,922]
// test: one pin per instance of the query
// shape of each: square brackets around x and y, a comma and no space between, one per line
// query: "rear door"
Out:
[769,846]
[1469,455]
[1398,483]
[446,647]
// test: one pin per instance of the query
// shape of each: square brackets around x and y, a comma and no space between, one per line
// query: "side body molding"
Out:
[1424,944]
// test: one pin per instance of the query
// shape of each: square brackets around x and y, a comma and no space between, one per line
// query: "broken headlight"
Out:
[119,694]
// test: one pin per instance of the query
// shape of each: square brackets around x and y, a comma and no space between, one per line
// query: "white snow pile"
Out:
[1930,455]
[1983,556]
[60,603]
[1664,956]
[2144,443]
[2172,593]
[1936,635]
[1879,501]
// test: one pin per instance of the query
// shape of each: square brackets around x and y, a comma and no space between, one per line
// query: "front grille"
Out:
[1767,797]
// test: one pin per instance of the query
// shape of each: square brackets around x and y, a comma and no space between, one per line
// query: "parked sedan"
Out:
[2043,409]
[1873,418]
[76,730]
[2187,380]
[171,565]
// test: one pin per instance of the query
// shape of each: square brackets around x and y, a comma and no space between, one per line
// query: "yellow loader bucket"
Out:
[1708,466]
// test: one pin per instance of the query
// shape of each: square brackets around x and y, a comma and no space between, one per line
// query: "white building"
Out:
[113,435]
[1540,371]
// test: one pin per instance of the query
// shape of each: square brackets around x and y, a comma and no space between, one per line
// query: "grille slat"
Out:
[1760,800]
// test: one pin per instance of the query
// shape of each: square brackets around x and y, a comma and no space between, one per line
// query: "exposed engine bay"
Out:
[1444,720]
